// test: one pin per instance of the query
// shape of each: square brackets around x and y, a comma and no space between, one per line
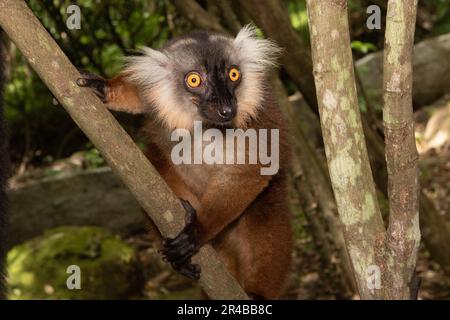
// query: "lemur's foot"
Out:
[179,250]
[95,82]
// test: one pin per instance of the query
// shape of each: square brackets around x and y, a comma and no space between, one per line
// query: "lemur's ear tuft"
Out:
[148,68]
[259,53]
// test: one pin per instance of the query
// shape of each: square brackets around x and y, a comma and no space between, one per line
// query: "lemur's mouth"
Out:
[219,123]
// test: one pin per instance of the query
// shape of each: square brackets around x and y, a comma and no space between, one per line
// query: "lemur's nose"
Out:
[226,112]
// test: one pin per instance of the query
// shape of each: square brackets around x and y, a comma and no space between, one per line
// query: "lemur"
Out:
[3,174]
[221,81]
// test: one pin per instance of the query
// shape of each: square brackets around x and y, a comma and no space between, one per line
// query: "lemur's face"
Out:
[211,85]
[207,77]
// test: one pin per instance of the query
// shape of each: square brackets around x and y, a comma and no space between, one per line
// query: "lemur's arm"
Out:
[118,93]
[227,197]
[225,200]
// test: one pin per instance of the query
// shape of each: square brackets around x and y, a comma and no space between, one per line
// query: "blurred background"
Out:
[68,208]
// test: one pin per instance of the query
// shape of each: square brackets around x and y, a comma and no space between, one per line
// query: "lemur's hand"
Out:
[95,82]
[179,250]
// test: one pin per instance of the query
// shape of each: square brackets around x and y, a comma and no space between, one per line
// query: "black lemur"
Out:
[220,81]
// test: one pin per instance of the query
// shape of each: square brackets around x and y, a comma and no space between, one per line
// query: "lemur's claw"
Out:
[179,250]
[191,214]
[95,82]
[191,271]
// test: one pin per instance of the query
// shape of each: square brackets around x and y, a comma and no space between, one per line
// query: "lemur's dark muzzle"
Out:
[226,113]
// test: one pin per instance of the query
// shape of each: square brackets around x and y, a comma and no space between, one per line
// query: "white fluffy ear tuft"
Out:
[258,54]
[148,69]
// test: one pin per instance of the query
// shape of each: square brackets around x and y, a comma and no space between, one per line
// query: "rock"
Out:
[437,131]
[93,197]
[431,72]
[109,269]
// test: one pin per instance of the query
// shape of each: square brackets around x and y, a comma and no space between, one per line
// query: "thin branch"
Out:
[228,15]
[119,150]
[197,15]
[401,153]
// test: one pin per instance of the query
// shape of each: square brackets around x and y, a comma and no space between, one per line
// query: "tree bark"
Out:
[116,146]
[401,153]
[345,147]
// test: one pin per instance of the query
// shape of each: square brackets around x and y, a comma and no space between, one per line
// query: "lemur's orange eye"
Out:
[193,79]
[234,74]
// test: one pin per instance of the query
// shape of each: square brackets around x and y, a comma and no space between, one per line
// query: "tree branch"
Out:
[198,16]
[117,147]
[401,153]
[229,16]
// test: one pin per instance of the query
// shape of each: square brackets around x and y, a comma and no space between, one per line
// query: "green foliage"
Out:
[442,11]
[299,16]
[94,159]
[363,47]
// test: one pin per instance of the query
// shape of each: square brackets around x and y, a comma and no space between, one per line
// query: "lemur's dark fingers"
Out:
[95,82]
[175,242]
[179,250]
[179,258]
[190,270]
[180,253]
[189,232]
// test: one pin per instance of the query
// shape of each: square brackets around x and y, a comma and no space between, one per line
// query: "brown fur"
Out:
[242,213]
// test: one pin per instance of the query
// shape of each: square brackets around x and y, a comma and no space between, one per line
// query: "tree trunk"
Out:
[401,153]
[116,146]
[348,162]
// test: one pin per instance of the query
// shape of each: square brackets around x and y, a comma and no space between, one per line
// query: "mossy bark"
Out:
[345,147]
[119,150]
[401,153]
